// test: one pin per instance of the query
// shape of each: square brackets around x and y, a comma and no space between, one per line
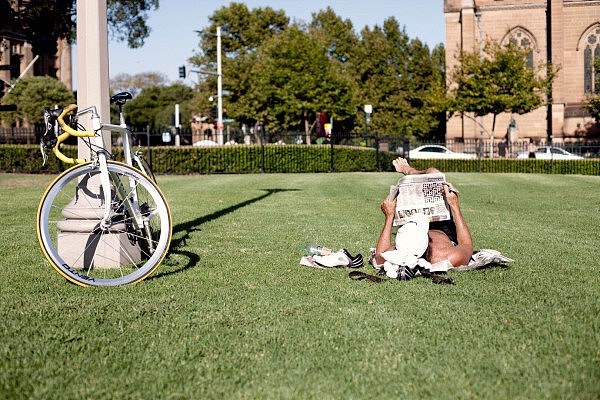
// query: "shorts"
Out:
[447,227]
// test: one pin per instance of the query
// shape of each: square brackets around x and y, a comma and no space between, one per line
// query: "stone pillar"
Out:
[454,128]
[78,231]
[92,62]
[63,63]
[557,36]
[5,59]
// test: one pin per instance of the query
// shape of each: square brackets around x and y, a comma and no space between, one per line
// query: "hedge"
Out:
[287,159]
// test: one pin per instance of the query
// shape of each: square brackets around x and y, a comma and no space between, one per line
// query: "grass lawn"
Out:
[232,315]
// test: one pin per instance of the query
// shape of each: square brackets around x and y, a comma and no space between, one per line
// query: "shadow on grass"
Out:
[194,225]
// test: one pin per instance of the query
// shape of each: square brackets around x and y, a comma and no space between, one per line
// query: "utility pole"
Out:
[219,90]
[219,75]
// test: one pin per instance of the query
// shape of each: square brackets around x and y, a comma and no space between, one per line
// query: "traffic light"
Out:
[182,72]
[214,111]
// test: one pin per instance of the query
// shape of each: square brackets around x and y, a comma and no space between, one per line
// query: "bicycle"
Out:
[101,222]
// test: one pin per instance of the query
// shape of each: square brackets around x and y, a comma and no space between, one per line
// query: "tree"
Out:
[135,83]
[284,75]
[43,22]
[335,35]
[31,95]
[398,77]
[242,31]
[436,94]
[498,81]
[424,84]
[155,106]
[127,20]
[291,77]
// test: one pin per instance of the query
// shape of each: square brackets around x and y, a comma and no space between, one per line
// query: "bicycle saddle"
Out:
[121,98]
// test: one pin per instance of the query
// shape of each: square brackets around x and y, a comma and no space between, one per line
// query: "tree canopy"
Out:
[154,107]
[135,83]
[499,80]
[31,95]
[43,22]
[285,74]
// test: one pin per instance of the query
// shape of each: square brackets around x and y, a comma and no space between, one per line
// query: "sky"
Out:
[172,39]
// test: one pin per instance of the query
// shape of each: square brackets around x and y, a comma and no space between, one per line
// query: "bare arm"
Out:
[464,249]
[388,207]
[403,167]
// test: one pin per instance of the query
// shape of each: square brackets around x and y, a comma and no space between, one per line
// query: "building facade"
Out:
[565,32]
[18,59]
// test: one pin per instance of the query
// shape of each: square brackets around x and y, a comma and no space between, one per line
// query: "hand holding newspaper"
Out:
[420,194]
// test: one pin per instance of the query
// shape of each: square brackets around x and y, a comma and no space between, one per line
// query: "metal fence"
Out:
[588,148]
[21,135]
[482,148]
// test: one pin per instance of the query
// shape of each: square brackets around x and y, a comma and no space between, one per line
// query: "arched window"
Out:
[591,76]
[523,41]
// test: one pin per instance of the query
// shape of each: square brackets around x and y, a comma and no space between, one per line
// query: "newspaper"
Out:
[421,193]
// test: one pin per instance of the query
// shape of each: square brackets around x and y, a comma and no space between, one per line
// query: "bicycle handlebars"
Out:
[68,131]
[58,115]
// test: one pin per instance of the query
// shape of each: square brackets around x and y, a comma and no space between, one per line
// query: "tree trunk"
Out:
[492,137]
[307,128]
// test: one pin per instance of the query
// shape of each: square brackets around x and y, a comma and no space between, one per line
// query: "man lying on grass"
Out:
[421,245]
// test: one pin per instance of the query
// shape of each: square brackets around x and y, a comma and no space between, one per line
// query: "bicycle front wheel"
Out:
[143,166]
[91,246]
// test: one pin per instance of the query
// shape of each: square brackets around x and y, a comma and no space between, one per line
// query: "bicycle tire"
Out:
[104,260]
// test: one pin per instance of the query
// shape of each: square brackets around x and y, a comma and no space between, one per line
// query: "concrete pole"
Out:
[75,236]
[92,63]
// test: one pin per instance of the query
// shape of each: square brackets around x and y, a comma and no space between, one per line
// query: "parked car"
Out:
[551,153]
[437,151]
[206,143]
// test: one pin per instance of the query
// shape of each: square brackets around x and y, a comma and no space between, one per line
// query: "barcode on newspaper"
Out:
[432,192]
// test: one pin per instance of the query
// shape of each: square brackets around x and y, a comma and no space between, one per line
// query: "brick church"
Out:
[565,32]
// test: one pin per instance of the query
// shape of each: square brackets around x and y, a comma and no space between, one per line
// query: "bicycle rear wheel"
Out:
[128,248]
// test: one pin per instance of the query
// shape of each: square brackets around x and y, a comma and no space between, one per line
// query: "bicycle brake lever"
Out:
[44,155]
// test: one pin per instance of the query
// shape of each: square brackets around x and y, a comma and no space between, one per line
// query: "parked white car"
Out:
[551,153]
[206,143]
[437,151]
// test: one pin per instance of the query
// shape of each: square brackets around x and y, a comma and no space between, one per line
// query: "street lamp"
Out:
[368,111]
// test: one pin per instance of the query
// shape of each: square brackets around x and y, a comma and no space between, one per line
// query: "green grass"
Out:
[232,315]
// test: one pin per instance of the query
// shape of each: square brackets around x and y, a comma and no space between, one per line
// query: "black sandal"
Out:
[358,276]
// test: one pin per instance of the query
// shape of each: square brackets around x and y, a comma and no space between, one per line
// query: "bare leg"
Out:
[403,167]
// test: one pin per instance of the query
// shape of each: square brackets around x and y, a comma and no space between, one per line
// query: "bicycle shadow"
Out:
[189,227]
